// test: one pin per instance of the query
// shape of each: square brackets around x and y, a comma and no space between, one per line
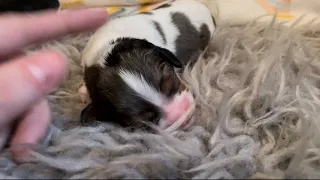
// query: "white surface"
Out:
[243,11]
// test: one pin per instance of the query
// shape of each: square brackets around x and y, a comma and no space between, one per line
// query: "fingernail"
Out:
[48,69]
[37,73]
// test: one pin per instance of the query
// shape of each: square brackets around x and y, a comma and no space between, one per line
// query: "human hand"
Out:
[26,80]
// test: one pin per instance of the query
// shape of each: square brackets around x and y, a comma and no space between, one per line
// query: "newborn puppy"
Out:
[131,63]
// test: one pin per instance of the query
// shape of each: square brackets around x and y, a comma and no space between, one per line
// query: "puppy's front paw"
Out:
[179,111]
[83,94]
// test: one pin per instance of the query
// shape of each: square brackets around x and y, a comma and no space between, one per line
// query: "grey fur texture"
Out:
[257,94]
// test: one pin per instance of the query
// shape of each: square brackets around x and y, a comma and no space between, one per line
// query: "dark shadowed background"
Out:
[27,5]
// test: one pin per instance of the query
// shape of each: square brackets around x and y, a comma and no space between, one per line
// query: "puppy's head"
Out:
[136,81]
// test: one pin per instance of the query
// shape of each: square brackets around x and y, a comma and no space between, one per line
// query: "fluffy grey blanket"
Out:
[257,91]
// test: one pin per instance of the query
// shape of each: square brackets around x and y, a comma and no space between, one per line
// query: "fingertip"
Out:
[21,154]
[96,13]
[34,125]
[88,19]
[56,59]
[59,62]
[31,129]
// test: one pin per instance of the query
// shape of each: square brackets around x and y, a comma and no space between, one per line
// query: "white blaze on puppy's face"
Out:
[140,86]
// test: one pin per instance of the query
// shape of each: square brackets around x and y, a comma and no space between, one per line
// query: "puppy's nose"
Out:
[176,108]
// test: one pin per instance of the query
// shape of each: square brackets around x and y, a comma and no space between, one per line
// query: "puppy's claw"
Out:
[83,94]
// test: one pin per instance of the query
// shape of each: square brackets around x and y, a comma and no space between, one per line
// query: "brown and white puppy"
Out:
[131,63]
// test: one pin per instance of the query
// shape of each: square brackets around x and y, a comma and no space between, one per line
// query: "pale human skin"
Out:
[26,80]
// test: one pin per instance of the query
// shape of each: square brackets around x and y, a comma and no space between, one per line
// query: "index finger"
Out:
[18,31]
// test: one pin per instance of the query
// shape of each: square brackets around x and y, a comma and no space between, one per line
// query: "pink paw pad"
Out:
[178,108]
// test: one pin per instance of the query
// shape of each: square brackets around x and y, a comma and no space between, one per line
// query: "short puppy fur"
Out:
[131,64]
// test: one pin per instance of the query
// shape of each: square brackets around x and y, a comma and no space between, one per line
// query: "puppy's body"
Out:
[130,62]
[182,27]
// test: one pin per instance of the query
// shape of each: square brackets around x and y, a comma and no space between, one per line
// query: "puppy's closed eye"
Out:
[169,57]
[169,85]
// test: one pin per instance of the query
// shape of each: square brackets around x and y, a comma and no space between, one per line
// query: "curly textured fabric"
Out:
[257,106]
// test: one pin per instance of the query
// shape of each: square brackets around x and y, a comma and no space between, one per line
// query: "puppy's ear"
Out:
[86,116]
[169,57]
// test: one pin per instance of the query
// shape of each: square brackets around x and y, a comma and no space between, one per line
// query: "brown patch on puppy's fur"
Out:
[169,85]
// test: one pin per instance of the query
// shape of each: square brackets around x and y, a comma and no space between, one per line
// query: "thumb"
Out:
[25,80]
